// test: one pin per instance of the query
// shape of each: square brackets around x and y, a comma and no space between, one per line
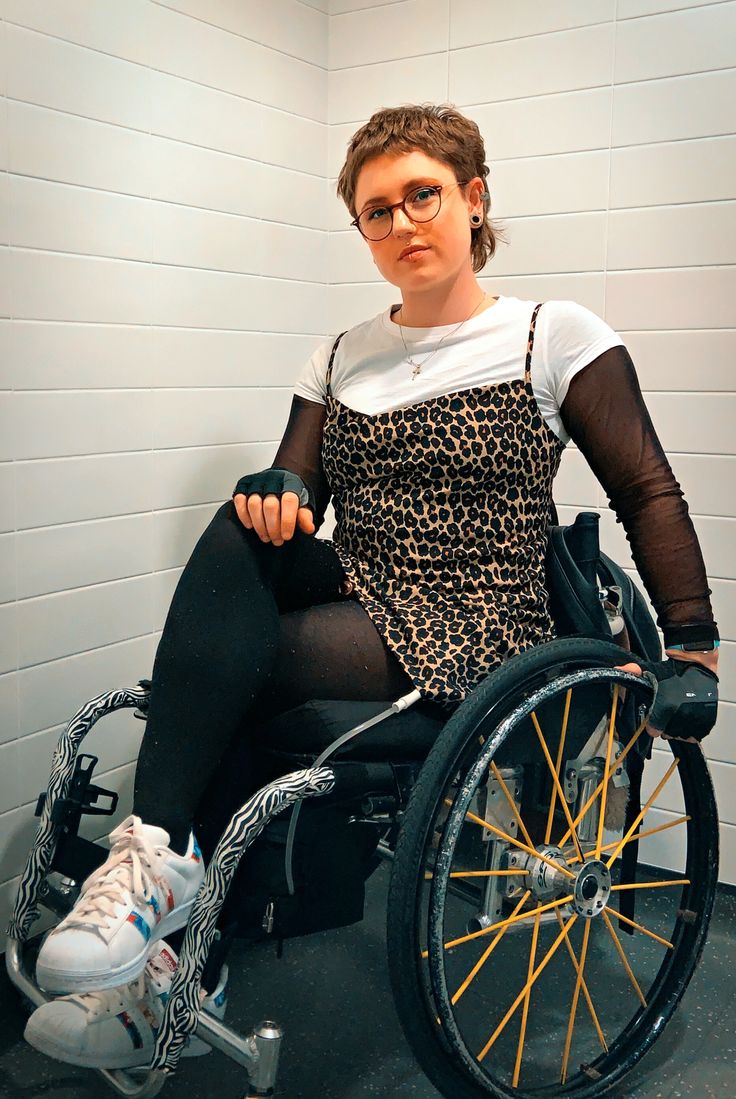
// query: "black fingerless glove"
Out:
[687,698]
[276,482]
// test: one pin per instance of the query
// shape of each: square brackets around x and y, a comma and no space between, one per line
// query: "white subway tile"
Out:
[540,126]
[51,694]
[632,9]
[8,574]
[575,483]
[53,626]
[672,172]
[680,298]
[199,475]
[218,120]
[339,7]
[576,241]
[234,184]
[224,242]
[58,217]
[17,833]
[213,299]
[566,184]
[533,66]
[352,92]
[469,19]
[7,489]
[176,532]
[9,776]
[8,706]
[203,357]
[48,286]
[285,25]
[682,42]
[198,417]
[52,73]
[698,360]
[117,29]
[164,584]
[8,637]
[414,28]
[52,559]
[48,425]
[65,490]
[694,422]
[685,235]
[55,355]
[673,108]
[56,146]
[204,54]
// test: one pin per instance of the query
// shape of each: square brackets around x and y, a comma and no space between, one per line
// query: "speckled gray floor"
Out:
[330,992]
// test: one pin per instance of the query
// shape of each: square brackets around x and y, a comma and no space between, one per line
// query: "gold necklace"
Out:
[418,366]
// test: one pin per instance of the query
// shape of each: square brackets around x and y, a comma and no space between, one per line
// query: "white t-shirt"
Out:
[370,373]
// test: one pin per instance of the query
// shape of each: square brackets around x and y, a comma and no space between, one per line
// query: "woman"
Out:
[438,426]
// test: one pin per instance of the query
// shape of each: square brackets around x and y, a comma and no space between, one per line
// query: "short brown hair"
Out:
[440,131]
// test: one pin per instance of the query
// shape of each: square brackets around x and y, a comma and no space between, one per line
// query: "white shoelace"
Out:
[130,870]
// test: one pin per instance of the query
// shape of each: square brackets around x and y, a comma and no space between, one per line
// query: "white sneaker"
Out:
[117,1028]
[143,892]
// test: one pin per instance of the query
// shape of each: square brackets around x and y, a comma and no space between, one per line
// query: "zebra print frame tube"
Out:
[26,910]
[182,1007]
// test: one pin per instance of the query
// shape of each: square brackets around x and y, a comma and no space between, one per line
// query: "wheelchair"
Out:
[552,878]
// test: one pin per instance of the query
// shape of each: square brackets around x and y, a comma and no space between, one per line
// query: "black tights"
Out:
[253,630]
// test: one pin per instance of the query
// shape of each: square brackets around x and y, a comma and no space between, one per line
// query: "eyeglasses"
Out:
[421,204]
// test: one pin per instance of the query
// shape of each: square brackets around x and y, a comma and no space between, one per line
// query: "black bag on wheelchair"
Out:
[330,861]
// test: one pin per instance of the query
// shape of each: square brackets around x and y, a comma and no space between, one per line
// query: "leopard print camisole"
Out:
[441,511]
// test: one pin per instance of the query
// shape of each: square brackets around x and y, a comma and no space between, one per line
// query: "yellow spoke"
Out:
[428,875]
[487,873]
[542,965]
[558,765]
[639,927]
[619,759]
[586,993]
[606,771]
[642,812]
[556,781]
[488,951]
[525,1009]
[574,1004]
[505,923]
[499,778]
[515,842]
[622,956]
[639,836]
[650,884]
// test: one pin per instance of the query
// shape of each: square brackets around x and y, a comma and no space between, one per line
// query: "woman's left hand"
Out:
[709,660]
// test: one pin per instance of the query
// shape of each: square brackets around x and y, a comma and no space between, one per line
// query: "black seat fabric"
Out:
[307,730]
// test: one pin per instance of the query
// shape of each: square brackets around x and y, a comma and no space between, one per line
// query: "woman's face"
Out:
[387,179]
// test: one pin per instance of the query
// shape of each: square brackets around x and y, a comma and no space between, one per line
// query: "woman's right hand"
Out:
[274,518]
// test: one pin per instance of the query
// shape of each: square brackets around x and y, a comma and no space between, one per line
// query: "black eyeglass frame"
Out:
[438,187]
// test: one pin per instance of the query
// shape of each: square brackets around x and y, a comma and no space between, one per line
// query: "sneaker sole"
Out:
[44,1043]
[64,982]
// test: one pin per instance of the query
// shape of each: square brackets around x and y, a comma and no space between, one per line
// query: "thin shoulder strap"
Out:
[530,344]
[328,377]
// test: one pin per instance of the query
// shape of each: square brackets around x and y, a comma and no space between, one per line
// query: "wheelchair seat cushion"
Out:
[306,730]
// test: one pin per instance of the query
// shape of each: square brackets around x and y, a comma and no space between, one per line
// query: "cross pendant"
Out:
[415,371]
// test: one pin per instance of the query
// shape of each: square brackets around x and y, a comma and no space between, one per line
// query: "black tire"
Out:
[426,1013]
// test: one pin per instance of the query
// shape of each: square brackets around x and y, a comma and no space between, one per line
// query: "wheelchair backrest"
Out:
[574,567]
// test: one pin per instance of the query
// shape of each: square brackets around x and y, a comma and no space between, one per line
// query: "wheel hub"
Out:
[592,889]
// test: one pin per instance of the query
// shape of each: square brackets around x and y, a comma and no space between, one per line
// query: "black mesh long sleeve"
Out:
[300,450]
[605,414]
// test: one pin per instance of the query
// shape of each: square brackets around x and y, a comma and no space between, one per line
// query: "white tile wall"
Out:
[163,239]
[172,250]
